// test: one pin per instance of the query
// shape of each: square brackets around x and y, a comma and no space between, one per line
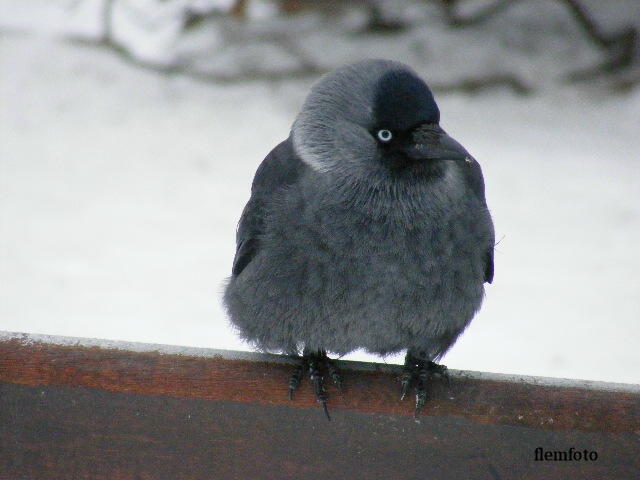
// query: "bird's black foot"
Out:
[417,371]
[315,363]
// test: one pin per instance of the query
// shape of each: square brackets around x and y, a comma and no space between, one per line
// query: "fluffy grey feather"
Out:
[348,242]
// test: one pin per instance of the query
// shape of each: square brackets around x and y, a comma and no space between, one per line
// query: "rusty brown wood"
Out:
[146,414]
[369,388]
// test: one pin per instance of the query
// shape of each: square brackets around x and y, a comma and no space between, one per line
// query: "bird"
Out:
[367,228]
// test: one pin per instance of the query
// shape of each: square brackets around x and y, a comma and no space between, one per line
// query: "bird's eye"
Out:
[385,135]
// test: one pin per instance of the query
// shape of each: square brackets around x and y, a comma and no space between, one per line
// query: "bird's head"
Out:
[372,117]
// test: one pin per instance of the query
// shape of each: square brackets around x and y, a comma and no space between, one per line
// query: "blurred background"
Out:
[130,131]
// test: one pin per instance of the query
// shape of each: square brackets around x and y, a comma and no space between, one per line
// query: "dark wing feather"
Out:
[488,269]
[279,169]
[476,182]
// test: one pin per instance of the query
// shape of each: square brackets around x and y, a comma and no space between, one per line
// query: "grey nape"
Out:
[366,228]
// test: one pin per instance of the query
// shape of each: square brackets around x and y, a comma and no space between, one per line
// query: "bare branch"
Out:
[620,47]
[454,19]
[304,71]
[474,85]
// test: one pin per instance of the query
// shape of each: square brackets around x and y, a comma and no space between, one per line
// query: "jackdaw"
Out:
[366,229]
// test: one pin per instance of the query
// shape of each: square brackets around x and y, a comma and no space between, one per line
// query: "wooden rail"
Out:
[78,408]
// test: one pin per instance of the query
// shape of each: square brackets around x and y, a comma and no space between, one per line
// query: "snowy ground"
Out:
[120,190]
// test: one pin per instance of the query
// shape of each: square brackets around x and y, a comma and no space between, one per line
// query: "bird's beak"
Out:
[430,142]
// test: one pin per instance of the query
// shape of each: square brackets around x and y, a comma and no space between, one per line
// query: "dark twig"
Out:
[473,85]
[621,47]
[378,23]
[455,19]
[306,69]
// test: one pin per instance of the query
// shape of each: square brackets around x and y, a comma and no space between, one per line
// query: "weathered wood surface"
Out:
[78,412]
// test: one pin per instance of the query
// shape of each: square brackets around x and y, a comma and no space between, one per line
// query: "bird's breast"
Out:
[341,248]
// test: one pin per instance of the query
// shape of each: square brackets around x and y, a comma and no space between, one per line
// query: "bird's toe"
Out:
[418,372]
[315,363]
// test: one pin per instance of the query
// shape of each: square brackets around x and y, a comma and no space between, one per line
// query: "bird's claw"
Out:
[405,381]
[325,408]
[296,376]
[333,373]
[315,362]
[318,385]
[441,371]
[421,398]
[418,372]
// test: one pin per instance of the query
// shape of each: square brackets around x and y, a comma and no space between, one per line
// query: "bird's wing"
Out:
[279,169]
[488,269]
[476,182]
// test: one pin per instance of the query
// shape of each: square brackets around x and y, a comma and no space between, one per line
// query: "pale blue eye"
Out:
[385,135]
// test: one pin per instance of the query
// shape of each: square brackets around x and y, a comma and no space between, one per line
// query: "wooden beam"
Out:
[123,411]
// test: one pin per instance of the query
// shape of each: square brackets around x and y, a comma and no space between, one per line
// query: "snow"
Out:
[69,17]
[120,190]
